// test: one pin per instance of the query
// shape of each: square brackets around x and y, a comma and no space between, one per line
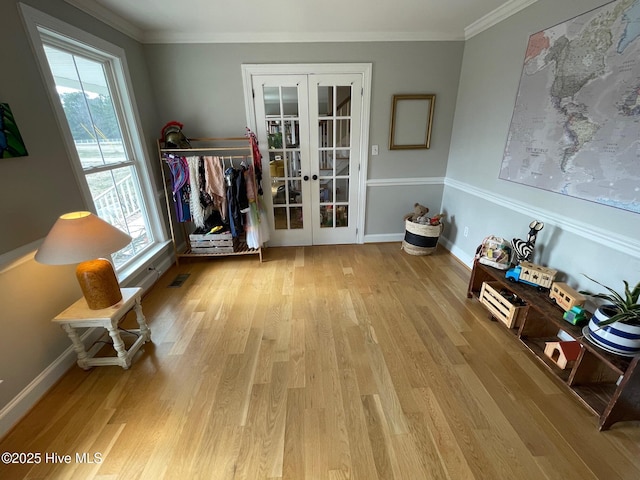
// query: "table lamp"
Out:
[82,237]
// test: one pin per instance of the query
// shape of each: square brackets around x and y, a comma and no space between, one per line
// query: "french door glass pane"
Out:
[290,101]
[272,101]
[342,190]
[326,133]
[293,164]
[325,101]
[343,101]
[334,142]
[283,131]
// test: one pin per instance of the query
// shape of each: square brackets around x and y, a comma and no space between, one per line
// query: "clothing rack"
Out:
[225,148]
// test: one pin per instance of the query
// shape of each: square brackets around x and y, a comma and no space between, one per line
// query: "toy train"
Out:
[532,274]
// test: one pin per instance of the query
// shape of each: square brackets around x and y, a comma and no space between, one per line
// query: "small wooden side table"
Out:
[79,315]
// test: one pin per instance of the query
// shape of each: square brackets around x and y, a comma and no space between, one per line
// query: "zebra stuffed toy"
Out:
[524,248]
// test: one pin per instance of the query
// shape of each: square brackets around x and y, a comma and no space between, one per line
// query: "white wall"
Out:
[579,236]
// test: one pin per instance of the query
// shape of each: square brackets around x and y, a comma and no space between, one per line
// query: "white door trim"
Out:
[364,69]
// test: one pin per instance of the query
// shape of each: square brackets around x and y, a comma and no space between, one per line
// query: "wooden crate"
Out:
[212,243]
[499,306]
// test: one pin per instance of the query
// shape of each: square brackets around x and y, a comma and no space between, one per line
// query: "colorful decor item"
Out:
[11,144]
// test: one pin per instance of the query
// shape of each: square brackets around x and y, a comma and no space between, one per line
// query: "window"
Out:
[89,78]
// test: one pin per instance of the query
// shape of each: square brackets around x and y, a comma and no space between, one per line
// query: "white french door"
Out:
[310,131]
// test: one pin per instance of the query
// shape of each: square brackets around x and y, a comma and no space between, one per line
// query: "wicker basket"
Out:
[421,239]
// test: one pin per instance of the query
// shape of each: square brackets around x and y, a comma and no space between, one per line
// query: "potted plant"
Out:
[615,325]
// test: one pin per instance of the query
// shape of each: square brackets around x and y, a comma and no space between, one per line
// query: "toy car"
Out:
[576,315]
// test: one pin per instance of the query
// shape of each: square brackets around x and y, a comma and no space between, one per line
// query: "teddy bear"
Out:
[419,212]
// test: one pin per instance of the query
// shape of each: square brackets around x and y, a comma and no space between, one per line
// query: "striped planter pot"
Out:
[619,338]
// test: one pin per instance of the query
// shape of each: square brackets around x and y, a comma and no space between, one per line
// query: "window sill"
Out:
[155,255]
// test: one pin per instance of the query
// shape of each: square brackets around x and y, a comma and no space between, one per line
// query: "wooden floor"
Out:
[332,362]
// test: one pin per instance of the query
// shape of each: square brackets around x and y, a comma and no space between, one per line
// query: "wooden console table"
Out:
[607,384]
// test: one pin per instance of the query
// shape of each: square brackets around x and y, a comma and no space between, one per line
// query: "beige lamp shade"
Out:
[82,237]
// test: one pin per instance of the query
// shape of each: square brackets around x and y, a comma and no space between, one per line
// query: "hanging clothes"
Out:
[211,192]
[180,187]
[237,200]
[257,158]
[214,184]
[197,209]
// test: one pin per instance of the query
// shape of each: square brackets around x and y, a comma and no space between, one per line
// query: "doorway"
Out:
[312,126]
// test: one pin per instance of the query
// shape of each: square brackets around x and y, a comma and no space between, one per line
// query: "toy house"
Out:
[562,353]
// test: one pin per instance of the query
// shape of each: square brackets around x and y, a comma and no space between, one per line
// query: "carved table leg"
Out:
[118,345]
[142,321]
[78,346]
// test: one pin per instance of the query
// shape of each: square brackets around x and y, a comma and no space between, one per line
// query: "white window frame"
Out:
[39,24]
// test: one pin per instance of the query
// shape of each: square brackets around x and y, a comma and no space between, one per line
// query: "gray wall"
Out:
[36,190]
[579,236]
[201,86]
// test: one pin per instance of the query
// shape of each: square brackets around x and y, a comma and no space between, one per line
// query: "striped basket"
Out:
[421,239]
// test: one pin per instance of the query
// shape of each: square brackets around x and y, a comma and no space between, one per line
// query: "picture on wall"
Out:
[11,144]
[575,128]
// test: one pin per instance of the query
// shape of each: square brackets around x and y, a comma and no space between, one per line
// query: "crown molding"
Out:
[496,16]
[97,11]
[295,37]
[117,22]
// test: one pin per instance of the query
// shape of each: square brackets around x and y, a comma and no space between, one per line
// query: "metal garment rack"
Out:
[235,148]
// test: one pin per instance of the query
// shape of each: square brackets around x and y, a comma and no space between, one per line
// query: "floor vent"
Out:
[179,280]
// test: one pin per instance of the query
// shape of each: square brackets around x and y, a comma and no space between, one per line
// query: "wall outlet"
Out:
[466,231]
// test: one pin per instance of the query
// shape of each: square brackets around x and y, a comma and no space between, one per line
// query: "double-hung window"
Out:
[98,118]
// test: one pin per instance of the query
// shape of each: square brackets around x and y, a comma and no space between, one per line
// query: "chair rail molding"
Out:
[621,243]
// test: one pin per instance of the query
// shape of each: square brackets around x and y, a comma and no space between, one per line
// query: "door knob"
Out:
[315,177]
[306,178]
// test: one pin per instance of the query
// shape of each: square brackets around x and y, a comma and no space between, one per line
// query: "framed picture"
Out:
[411,119]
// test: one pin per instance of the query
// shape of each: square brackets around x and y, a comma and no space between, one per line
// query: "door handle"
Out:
[306,178]
[315,177]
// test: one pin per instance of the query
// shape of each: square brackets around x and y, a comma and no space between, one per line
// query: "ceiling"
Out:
[195,21]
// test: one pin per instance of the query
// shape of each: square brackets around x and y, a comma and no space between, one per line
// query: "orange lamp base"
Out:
[99,284]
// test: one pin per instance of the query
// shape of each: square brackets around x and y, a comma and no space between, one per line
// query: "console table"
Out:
[79,315]
[607,384]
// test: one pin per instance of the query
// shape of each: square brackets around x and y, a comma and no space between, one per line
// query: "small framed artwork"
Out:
[11,144]
[411,119]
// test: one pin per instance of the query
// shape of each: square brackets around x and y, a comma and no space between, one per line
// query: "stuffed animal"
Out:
[418,211]
[423,220]
[436,219]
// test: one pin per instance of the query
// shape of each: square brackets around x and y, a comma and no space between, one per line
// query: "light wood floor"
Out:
[335,362]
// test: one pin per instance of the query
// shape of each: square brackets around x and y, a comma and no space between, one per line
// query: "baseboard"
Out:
[17,408]
[460,254]
[22,403]
[384,238]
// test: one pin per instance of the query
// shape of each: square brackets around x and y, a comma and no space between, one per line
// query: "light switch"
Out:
[374,149]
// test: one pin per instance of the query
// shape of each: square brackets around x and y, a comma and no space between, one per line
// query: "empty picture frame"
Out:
[411,119]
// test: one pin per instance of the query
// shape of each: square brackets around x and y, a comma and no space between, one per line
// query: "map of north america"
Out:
[575,128]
